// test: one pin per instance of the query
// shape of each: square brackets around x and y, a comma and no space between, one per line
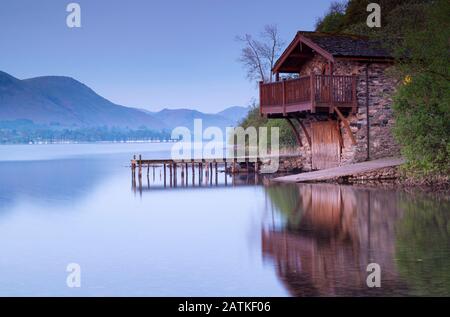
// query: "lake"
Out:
[62,204]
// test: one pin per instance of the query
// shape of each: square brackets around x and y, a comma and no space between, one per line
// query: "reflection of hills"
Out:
[48,180]
[339,231]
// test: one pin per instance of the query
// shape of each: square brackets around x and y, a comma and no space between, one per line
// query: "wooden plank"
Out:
[346,125]
[308,137]
[325,150]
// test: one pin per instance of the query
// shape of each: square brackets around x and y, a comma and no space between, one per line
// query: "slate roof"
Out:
[344,45]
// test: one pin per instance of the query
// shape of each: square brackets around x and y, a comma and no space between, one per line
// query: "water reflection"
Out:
[250,239]
[51,181]
[155,178]
[322,237]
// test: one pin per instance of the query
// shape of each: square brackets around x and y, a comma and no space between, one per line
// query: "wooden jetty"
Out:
[193,172]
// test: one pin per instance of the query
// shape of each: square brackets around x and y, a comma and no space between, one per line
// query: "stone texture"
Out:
[381,90]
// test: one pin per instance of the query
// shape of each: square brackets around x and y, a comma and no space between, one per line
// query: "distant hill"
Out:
[235,114]
[185,117]
[65,102]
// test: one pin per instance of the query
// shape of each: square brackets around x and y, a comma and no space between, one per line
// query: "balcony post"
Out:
[313,93]
[331,110]
[284,97]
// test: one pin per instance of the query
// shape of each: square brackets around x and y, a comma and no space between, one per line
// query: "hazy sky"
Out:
[147,53]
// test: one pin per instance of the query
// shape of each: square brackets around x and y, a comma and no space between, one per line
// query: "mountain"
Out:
[234,114]
[57,101]
[67,102]
[185,117]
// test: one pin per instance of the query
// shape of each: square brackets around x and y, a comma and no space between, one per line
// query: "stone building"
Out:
[321,89]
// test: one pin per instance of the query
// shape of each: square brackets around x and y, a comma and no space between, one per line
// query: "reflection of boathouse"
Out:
[330,237]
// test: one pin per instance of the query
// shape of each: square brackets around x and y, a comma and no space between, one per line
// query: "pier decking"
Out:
[342,171]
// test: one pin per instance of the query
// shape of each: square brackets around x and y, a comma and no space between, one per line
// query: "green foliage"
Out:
[254,119]
[422,105]
[351,17]
[423,244]
[334,19]
[418,33]
[287,200]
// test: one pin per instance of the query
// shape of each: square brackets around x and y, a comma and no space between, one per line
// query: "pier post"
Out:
[164,174]
[140,166]
[217,173]
[174,174]
[133,168]
[182,174]
[211,172]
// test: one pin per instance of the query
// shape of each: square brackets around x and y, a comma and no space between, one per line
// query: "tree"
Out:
[333,20]
[258,56]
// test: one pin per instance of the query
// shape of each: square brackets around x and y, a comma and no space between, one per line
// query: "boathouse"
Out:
[336,93]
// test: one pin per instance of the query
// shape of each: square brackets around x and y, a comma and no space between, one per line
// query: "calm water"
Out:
[76,203]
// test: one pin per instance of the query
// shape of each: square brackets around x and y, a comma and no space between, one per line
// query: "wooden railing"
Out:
[296,94]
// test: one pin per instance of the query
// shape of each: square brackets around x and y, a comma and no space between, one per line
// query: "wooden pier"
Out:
[193,172]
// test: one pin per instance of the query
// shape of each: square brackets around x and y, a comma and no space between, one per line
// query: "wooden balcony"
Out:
[315,93]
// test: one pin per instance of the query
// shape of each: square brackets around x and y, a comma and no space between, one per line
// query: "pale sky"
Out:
[151,54]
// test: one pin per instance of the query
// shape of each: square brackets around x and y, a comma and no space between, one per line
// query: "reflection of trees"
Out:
[331,234]
[423,245]
[286,199]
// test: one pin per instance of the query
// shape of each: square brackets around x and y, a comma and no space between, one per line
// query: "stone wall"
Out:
[291,164]
[381,90]
[387,173]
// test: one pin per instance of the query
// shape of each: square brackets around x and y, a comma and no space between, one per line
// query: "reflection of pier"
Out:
[330,235]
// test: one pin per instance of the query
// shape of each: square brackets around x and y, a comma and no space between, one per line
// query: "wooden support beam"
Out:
[297,135]
[165,174]
[338,131]
[308,137]
[140,166]
[346,125]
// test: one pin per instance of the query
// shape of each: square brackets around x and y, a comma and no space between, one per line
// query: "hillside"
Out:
[32,108]
[185,117]
[66,102]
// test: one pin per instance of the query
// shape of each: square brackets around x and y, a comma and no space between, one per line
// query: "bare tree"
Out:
[258,56]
